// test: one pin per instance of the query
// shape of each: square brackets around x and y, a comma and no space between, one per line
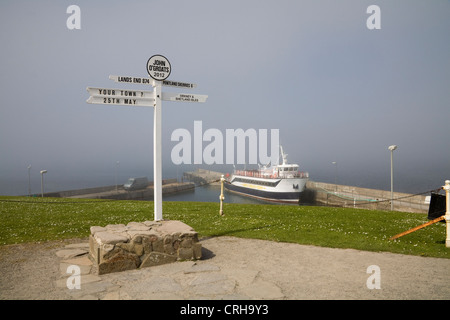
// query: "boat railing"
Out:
[266,175]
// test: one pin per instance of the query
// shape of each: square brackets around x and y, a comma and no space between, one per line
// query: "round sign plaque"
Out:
[158,67]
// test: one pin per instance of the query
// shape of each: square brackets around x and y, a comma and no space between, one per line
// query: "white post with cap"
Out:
[157,158]
[221,197]
[447,211]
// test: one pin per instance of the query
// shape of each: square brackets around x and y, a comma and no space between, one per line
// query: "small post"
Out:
[447,212]
[42,182]
[392,148]
[222,179]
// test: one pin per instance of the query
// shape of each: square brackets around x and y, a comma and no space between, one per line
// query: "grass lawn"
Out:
[25,219]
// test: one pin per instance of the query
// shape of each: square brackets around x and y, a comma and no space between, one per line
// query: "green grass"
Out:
[25,219]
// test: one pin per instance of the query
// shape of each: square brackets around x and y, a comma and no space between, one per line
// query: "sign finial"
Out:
[158,67]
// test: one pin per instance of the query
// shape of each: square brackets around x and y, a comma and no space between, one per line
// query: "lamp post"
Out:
[29,181]
[392,148]
[42,182]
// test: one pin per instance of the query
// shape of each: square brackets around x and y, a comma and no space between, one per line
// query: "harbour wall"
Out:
[169,186]
[328,194]
[201,176]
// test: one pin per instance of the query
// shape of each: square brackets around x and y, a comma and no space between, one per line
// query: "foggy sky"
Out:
[336,90]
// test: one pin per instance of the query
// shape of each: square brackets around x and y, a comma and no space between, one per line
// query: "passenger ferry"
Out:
[281,183]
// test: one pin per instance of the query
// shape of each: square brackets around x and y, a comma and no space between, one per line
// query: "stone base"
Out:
[138,245]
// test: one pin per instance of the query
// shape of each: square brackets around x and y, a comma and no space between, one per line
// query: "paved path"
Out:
[231,268]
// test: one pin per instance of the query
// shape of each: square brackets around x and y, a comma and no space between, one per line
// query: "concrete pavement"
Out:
[233,268]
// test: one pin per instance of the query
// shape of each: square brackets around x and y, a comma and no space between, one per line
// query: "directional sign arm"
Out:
[147,81]
[119,101]
[179,84]
[119,93]
[183,97]
[133,80]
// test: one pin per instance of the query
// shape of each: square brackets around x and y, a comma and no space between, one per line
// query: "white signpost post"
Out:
[159,69]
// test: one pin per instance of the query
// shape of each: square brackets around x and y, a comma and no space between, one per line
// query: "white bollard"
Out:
[447,212]
[221,195]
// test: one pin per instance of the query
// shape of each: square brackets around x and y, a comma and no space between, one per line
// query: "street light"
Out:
[392,148]
[42,182]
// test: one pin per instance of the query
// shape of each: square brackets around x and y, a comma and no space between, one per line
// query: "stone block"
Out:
[185,253]
[152,223]
[138,249]
[186,243]
[118,260]
[197,251]
[156,259]
[93,248]
[168,248]
[115,226]
[95,229]
[168,239]
[127,246]
[137,239]
[173,226]
[158,245]
[138,226]
[109,237]
[147,245]
[138,245]
[142,233]
[189,235]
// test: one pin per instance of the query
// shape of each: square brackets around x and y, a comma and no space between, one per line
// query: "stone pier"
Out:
[120,247]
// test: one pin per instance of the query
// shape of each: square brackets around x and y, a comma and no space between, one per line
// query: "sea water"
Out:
[211,193]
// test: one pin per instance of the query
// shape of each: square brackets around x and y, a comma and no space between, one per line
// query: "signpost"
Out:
[119,101]
[165,83]
[101,92]
[179,84]
[182,97]
[159,69]
[121,97]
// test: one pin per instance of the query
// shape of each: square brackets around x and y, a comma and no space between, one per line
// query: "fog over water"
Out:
[337,90]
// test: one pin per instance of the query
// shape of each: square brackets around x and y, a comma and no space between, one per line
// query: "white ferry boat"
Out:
[281,183]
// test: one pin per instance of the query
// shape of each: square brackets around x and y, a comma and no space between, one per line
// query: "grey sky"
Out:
[336,90]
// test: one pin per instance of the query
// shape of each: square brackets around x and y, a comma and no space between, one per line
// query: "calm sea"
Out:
[211,193]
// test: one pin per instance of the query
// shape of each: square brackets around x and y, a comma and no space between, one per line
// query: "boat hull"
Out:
[280,196]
